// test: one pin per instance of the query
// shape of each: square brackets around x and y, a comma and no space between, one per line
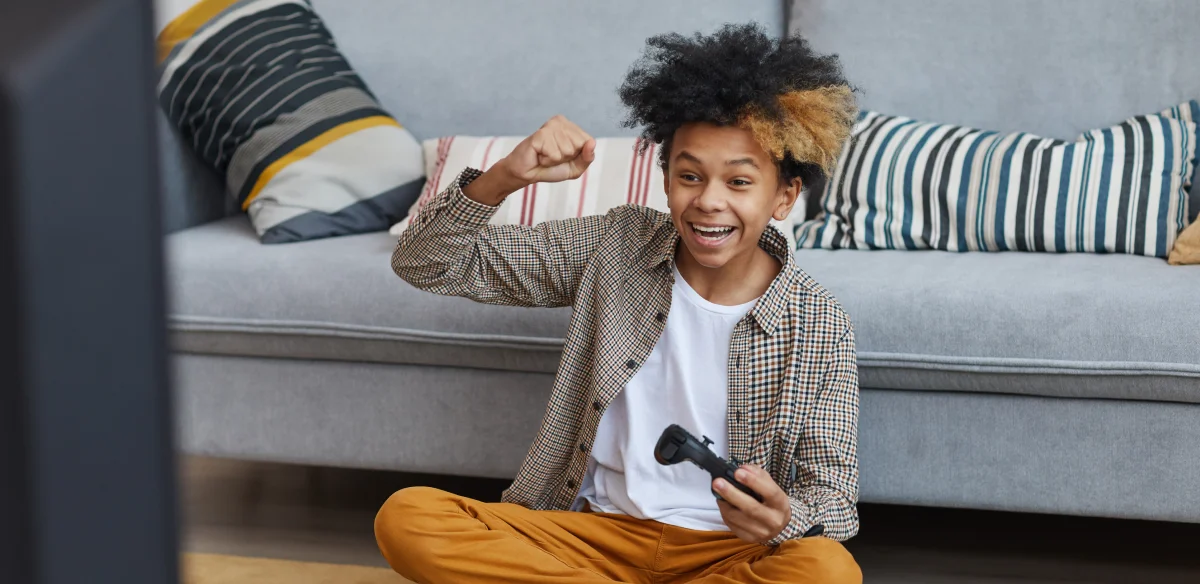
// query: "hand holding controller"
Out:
[677,445]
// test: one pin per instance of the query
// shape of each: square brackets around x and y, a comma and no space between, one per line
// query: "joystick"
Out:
[677,445]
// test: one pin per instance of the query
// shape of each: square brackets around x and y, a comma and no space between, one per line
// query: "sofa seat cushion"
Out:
[337,299]
[1065,325]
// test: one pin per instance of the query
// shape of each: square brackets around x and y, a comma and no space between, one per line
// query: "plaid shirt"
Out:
[793,378]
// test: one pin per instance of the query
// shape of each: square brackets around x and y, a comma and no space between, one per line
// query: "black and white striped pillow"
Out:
[260,91]
[904,184]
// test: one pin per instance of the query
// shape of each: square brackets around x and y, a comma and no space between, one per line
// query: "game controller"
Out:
[677,445]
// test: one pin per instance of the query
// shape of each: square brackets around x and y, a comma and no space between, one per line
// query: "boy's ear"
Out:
[790,192]
[666,181]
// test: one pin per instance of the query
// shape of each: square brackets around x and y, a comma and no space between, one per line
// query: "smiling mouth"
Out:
[712,234]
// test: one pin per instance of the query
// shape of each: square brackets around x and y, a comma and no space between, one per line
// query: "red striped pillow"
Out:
[618,176]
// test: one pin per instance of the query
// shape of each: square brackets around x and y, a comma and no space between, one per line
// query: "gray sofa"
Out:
[1034,382]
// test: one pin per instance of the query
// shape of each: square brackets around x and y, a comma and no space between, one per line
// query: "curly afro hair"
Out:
[793,100]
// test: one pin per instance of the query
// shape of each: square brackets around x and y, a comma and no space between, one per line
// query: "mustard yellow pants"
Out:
[433,537]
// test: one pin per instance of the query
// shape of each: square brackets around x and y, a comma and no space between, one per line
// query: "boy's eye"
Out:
[740,182]
[689,177]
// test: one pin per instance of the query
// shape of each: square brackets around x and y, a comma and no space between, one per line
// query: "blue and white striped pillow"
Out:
[904,184]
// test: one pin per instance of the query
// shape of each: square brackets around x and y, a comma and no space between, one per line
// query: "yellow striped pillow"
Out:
[259,89]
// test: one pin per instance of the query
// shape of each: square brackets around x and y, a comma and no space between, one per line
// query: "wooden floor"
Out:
[325,515]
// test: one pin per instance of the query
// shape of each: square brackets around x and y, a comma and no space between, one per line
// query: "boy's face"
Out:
[723,189]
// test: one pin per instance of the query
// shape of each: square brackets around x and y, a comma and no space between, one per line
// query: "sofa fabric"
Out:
[1000,323]
[1054,68]
[1098,458]
[1013,453]
[338,299]
[1069,325]
[438,420]
[475,67]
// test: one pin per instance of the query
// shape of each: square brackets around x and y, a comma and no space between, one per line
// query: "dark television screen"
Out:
[86,457]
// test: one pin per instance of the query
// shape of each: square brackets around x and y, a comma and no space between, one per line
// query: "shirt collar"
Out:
[773,304]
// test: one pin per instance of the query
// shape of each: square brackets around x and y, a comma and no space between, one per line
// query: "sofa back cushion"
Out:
[487,68]
[1054,68]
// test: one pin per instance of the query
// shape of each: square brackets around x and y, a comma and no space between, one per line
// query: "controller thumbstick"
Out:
[706,441]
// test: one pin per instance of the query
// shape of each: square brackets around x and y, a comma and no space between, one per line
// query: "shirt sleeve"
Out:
[450,248]
[825,491]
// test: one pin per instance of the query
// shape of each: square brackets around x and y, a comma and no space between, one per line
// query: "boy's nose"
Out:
[711,199]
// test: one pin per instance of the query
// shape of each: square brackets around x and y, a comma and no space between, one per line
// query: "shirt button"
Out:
[596,406]
[631,364]
[570,484]
[661,317]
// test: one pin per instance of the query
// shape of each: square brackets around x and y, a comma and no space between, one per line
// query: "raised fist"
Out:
[557,151]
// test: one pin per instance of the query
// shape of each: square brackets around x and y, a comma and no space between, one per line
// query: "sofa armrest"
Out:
[192,192]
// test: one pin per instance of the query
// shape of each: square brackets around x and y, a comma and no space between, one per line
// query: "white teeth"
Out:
[712,230]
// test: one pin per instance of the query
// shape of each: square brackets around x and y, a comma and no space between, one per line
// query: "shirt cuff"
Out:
[797,526]
[465,210]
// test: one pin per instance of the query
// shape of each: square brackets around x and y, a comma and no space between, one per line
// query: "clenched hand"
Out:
[558,151]
[748,519]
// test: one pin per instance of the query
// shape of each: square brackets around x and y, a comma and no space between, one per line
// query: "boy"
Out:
[699,317]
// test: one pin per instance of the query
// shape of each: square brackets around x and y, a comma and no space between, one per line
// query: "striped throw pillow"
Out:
[259,89]
[618,176]
[904,184]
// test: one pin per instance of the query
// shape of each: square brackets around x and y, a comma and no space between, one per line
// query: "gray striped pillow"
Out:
[904,184]
[261,92]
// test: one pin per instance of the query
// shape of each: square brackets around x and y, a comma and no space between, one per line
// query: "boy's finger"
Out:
[733,518]
[760,482]
[570,145]
[735,497]
[537,142]
[567,147]
[571,126]
[582,158]
[579,141]
[760,513]
[582,139]
[581,164]
[578,167]
[550,153]
[741,525]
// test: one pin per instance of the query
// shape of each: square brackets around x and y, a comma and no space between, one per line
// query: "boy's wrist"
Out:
[493,186]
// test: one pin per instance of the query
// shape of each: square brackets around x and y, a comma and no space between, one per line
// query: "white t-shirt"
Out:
[685,382]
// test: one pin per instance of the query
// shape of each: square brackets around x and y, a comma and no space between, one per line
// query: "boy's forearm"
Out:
[493,186]
[827,492]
